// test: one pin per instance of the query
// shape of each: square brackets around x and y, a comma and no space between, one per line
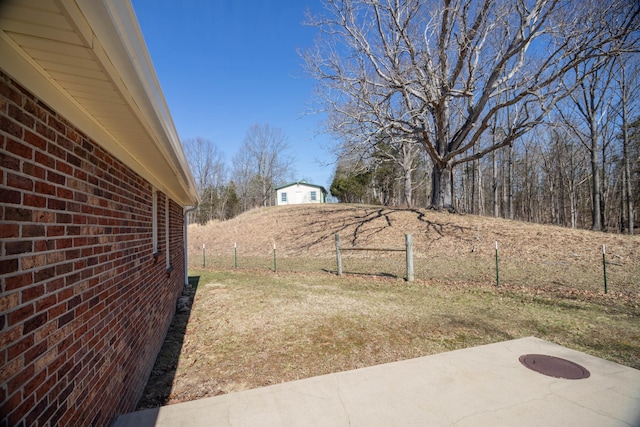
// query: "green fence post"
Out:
[203,257]
[497,270]
[275,267]
[604,267]
[235,255]
[338,255]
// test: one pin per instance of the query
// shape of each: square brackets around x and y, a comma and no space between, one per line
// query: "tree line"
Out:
[525,109]
[260,165]
[544,178]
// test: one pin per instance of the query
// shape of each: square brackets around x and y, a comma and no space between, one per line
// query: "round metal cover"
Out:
[554,366]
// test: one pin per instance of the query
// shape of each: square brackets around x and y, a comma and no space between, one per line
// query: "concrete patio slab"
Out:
[480,386]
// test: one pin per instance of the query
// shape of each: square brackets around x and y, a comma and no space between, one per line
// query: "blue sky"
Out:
[226,64]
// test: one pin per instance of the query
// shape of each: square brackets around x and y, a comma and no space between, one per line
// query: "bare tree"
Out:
[261,164]
[206,161]
[208,165]
[627,77]
[529,168]
[403,154]
[242,178]
[592,104]
[441,71]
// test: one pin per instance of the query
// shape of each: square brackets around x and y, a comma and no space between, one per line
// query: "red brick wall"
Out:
[85,304]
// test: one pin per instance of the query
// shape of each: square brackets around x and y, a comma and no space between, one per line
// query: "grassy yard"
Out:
[251,328]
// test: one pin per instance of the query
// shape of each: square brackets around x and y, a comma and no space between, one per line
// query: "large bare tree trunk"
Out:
[442,188]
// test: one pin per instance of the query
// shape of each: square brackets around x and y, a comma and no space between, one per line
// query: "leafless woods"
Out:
[462,79]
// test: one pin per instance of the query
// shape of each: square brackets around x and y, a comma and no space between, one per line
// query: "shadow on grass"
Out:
[160,382]
[365,222]
[472,329]
[354,273]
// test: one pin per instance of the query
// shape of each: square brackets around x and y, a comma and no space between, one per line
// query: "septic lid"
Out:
[554,366]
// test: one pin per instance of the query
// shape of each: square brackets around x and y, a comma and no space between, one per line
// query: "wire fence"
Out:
[597,271]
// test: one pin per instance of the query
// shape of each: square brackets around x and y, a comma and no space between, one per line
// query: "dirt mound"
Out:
[309,230]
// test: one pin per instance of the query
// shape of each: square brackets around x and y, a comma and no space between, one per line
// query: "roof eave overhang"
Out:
[125,110]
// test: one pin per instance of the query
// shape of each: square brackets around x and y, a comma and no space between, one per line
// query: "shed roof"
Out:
[303,182]
[87,60]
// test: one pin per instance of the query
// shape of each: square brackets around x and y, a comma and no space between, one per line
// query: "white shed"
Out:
[300,192]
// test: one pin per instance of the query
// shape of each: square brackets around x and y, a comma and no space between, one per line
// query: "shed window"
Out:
[283,197]
[313,196]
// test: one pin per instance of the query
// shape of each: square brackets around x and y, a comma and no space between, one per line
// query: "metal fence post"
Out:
[338,255]
[497,269]
[604,268]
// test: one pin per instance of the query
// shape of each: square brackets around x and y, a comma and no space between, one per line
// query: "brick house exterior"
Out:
[92,255]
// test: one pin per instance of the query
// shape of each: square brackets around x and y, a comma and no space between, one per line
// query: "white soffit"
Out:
[87,60]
